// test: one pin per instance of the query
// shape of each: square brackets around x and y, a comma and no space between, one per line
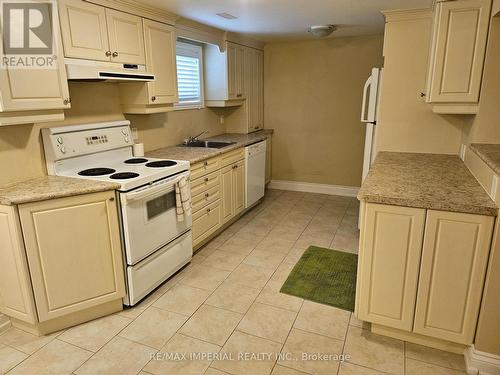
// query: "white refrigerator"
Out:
[369,112]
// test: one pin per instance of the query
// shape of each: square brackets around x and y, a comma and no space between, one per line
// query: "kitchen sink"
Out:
[207,144]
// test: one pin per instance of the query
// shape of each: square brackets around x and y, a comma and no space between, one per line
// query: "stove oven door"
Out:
[150,219]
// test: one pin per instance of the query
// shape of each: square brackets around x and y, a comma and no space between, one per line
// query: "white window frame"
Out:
[192,50]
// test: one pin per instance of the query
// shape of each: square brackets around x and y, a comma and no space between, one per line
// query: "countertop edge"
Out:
[215,151]
[475,148]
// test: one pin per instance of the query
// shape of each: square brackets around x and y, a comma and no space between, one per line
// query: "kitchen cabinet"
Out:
[224,75]
[250,117]
[460,33]
[454,244]
[407,271]
[389,265]
[93,32]
[64,261]
[23,102]
[161,94]
[218,193]
[233,190]
[126,39]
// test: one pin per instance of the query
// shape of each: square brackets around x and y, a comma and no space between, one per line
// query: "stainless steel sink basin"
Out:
[207,144]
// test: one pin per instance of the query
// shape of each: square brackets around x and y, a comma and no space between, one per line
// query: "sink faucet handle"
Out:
[195,138]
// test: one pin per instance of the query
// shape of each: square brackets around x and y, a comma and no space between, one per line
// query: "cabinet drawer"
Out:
[206,222]
[201,200]
[204,167]
[232,157]
[202,184]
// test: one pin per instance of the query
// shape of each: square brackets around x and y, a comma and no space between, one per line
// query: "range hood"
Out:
[89,70]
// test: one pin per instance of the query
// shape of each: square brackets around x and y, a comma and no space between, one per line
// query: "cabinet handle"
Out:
[207,195]
[205,163]
[153,98]
[115,54]
[108,53]
[208,210]
[206,179]
[111,199]
[422,95]
[66,101]
[239,95]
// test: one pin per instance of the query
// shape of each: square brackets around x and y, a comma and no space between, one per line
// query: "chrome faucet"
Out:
[195,138]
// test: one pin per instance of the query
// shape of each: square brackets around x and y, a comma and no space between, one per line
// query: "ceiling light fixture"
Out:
[227,16]
[322,31]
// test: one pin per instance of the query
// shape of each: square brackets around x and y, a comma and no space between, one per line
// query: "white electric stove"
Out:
[156,244]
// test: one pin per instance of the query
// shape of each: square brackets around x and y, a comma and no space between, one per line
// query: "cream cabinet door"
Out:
[160,60]
[83,29]
[206,222]
[16,296]
[227,192]
[239,185]
[236,70]
[454,259]
[36,89]
[74,253]
[388,265]
[457,51]
[126,38]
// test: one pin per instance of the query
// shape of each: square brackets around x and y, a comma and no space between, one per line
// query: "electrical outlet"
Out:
[221,119]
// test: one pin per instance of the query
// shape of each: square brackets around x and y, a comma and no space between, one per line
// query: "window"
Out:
[189,75]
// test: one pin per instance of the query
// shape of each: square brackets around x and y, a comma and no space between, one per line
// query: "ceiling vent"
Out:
[227,16]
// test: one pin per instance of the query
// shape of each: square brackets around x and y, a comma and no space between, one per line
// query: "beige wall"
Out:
[406,123]
[313,94]
[21,152]
[485,126]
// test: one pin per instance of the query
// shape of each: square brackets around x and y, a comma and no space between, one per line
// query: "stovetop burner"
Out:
[124,175]
[135,161]
[96,172]
[161,163]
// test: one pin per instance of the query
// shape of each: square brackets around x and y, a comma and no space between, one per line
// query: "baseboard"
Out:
[481,363]
[4,323]
[310,187]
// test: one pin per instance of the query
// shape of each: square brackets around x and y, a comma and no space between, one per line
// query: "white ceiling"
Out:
[271,20]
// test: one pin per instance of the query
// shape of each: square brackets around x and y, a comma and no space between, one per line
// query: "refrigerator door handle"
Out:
[365,111]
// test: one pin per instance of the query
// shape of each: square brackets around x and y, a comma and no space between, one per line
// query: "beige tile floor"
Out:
[226,305]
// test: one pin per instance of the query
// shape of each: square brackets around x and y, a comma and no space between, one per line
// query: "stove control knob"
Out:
[124,132]
[59,140]
[126,139]
[63,150]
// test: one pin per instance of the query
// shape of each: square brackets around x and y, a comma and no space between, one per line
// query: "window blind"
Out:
[189,75]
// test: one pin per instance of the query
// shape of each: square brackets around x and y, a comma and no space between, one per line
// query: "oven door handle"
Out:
[164,186]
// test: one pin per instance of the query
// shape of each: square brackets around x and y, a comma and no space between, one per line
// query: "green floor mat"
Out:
[326,276]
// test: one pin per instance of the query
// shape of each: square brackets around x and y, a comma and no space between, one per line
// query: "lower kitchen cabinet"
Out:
[69,268]
[389,265]
[218,193]
[453,267]
[233,190]
[423,279]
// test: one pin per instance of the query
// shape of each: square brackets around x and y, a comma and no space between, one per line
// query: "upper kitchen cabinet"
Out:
[96,33]
[458,46]
[30,94]
[224,74]
[250,117]
[161,94]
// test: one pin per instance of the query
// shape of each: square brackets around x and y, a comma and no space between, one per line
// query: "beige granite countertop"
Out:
[196,154]
[489,153]
[50,187]
[432,181]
